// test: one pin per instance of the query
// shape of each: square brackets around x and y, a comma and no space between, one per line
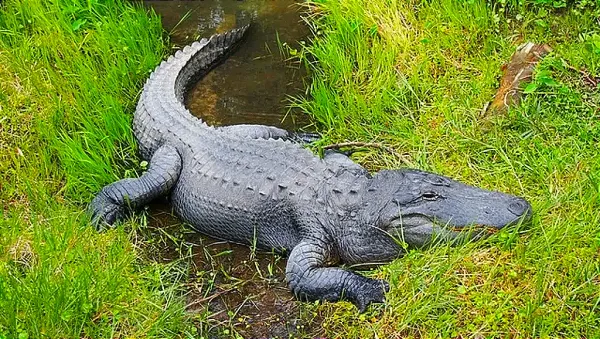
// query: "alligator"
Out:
[256,185]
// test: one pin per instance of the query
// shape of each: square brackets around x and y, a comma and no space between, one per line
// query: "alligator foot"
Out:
[363,291]
[115,200]
[103,210]
[309,280]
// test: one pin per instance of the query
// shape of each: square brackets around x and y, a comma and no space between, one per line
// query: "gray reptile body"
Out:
[249,184]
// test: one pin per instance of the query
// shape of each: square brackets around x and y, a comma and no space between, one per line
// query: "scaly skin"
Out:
[250,184]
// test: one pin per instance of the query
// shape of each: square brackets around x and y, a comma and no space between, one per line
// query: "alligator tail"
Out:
[160,110]
[218,47]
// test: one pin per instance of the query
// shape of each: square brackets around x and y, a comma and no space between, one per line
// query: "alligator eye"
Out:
[430,196]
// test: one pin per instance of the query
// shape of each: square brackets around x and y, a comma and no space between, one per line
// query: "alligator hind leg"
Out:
[268,132]
[115,200]
[310,280]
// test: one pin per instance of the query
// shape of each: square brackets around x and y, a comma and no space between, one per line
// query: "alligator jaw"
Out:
[420,231]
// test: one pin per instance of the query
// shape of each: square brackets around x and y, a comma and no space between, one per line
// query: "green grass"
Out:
[70,73]
[412,74]
[416,75]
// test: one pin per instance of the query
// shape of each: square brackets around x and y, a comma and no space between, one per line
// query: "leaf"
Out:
[545,78]
[78,23]
[548,81]
[541,23]
[530,88]
[542,74]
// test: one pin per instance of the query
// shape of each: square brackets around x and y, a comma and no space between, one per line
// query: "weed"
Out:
[415,75]
[410,74]
[70,72]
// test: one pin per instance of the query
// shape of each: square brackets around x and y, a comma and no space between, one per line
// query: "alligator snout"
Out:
[520,207]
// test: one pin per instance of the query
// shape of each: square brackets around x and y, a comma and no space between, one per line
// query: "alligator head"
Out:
[423,206]
[418,208]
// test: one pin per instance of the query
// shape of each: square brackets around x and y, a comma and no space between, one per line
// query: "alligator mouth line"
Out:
[486,228]
[474,227]
[414,221]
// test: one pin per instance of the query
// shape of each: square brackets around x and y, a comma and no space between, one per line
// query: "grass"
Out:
[416,75]
[411,74]
[70,73]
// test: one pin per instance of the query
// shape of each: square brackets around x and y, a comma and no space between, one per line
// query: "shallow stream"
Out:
[253,85]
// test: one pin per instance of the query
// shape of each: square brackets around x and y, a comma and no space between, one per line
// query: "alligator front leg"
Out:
[310,280]
[115,200]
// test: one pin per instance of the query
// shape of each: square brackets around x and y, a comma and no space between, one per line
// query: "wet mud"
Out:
[233,290]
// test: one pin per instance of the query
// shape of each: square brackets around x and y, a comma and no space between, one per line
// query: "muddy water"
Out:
[232,289]
[253,85]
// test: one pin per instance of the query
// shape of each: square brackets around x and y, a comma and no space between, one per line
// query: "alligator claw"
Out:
[104,212]
[372,291]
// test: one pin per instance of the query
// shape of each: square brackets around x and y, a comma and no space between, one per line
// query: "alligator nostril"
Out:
[519,207]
